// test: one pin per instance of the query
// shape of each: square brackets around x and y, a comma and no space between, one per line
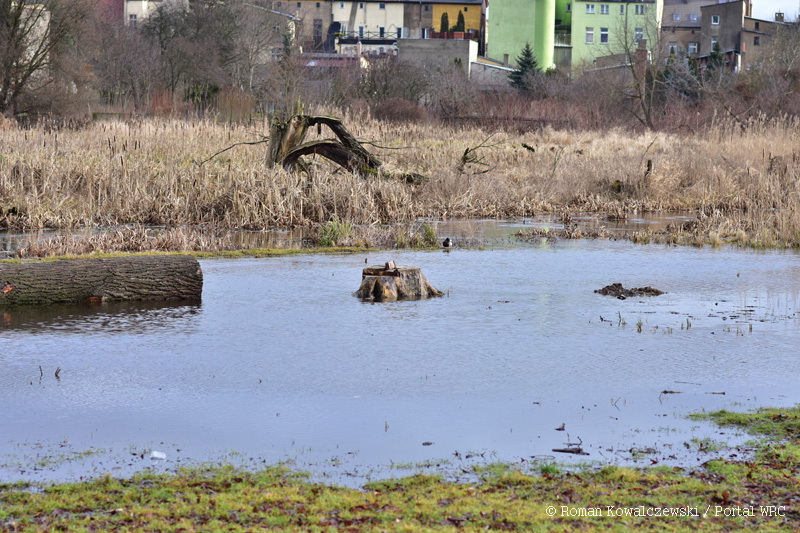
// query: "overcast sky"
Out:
[766,9]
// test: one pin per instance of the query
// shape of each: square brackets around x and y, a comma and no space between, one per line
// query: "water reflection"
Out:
[109,318]
[465,233]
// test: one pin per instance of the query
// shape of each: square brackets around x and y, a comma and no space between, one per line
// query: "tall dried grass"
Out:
[148,172]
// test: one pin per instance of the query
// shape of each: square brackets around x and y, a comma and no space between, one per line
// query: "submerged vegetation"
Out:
[741,181]
[759,493]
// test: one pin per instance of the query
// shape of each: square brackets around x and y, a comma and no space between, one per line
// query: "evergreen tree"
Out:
[523,76]
[716,59]
[445,25]
[460,24]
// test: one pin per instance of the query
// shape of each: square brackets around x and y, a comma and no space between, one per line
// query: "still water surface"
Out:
[281,363]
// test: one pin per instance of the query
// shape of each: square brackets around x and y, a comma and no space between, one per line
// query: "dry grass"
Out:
[146,172]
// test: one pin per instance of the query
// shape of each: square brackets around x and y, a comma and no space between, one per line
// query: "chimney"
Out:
[778,17]
[640,62]
[505,60]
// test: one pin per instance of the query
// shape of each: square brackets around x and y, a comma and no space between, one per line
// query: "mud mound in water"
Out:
[616,289]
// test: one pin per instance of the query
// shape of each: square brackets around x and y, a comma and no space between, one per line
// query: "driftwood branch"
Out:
[287,145]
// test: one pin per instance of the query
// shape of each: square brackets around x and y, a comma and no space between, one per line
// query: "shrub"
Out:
[400,110]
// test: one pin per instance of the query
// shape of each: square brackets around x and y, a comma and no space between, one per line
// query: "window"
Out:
[466,8]
[318,5]
[622,9]
[676,17]
[299,4]
[341,5]
[714,42]
[756,41]
[638,34]
[589,35]
[639,9]
[381,6]
[604,9]
[427,7]
[715,20]
[692,48]
[132,21]
[590,9]
[603,35]
[381,32]
[673,48]
[361,32]
[569,8]
[693,17]
[399,33]
[758,26]
[343,28]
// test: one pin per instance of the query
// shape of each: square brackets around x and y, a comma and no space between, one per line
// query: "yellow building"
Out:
[473,15]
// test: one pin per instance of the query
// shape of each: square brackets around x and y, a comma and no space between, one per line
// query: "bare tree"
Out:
[33,33]
[126,65]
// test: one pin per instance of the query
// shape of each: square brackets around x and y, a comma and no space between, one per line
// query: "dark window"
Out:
[758,25]
[756,41]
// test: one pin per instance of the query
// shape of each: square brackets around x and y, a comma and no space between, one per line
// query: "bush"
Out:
[400,110]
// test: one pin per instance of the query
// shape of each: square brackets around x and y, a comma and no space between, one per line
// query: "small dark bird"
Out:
[447,243]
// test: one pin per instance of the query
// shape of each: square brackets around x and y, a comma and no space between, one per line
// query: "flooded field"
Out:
[520,357]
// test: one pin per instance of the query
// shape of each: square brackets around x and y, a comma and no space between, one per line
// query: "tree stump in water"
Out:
[390,282]
[93,281]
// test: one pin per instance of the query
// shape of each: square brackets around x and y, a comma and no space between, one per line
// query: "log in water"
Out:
[93,281]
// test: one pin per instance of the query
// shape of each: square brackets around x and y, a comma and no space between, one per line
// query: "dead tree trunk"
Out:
[286,145]
[92,281]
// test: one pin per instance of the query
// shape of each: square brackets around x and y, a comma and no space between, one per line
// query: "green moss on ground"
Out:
[755,494]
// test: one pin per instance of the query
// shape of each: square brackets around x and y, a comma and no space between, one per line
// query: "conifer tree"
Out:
[460,24]
[523,76]
[716,59]
[445,25]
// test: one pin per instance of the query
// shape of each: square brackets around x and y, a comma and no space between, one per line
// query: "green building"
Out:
[572,33]
[607,33]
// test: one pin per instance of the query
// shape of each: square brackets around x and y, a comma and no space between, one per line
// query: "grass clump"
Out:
[334,232]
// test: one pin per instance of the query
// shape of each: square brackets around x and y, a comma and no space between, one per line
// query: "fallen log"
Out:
[390,282]
[94,281]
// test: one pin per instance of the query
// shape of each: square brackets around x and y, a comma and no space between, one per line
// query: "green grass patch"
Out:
[768,421]
[753,493]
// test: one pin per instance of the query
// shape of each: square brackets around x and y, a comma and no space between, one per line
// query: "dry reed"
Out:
[147,172]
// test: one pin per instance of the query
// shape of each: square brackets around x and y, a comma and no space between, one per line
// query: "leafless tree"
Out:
[35,37]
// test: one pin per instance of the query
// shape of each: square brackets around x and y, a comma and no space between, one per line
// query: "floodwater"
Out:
[280,363]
